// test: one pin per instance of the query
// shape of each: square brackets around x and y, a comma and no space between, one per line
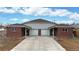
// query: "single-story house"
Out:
[39,27]
[2,27]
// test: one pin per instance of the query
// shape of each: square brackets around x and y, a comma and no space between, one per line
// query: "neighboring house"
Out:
[39,27]
[2,31]
[76,30]
[2,27]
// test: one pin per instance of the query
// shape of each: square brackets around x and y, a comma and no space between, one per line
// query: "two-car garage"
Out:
[39,32]
[39,27]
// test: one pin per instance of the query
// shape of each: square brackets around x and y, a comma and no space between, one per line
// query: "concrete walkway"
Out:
[38,44]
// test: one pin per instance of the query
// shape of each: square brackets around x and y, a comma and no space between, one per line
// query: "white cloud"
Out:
[5,10]
[27,11]
[37,11]
[14,19]
[65,22]
[61,12]
[74,16]
[44,11]
[24,20]
[41,11]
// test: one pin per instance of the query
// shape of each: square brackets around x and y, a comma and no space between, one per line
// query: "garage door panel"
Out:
[44,32]
[34,32]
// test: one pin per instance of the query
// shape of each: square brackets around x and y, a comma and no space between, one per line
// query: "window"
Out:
[65,30]
[13,29]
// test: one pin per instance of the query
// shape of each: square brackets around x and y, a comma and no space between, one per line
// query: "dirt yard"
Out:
[6,44]
[70,44]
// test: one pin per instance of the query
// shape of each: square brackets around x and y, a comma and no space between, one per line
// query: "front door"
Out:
[27,31]
[51,32]
[55,31]
[39,32]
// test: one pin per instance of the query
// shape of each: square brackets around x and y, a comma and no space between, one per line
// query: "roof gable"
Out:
[39,21]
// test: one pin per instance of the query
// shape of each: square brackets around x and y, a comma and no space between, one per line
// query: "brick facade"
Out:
[11,33]
[62,33]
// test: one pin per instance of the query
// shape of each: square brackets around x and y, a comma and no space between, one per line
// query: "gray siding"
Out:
[39,26]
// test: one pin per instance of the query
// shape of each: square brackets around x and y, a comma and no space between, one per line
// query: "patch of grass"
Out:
[70,44]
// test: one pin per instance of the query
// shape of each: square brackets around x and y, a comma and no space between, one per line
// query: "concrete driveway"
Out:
[38,43]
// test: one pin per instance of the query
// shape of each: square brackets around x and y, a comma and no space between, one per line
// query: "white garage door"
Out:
[33,32]
[44,32]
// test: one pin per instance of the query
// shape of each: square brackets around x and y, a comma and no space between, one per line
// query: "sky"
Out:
[66,15]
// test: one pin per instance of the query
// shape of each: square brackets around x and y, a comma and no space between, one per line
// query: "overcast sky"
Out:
[10,15]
